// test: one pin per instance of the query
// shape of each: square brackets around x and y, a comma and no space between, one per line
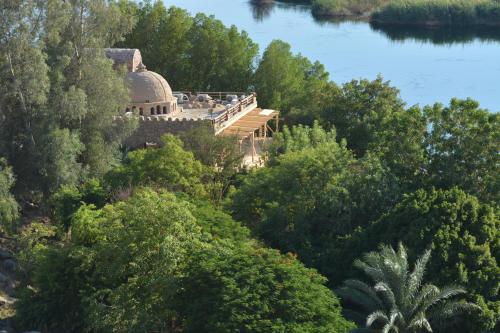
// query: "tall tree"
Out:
[77,99]
[86,92]
[25,84]
[193,53]
[279,79]
[398,300]
[221,58]
[462,146]
[162,36]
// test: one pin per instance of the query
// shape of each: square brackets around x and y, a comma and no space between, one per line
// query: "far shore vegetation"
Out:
[410,12]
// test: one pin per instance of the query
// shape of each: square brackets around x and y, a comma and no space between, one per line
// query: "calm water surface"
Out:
[427,66]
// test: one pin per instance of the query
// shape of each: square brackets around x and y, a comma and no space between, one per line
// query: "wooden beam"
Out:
[249,123]
[244,128]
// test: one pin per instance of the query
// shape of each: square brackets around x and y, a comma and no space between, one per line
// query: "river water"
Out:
[426,65]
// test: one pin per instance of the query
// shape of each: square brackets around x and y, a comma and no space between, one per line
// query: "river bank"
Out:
[427,13]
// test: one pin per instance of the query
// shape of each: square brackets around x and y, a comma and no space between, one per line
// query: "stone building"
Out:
[152,100]
[150,93]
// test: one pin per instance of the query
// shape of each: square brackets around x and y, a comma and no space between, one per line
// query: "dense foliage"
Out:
[145,264]
[309,198]
[284,296]
[193,53]
[177,238]
[57,125]
[463,234]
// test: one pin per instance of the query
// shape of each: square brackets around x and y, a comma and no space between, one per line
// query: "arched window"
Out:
[127,110]
[152,110]
[141,112]
[164,110]
[133,108]
[158,109]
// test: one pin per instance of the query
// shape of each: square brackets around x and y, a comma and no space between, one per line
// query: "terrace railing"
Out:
[233,111]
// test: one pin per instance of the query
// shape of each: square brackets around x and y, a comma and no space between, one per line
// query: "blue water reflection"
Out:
[427,65]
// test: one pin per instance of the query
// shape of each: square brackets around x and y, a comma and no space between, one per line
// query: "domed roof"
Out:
[148,87]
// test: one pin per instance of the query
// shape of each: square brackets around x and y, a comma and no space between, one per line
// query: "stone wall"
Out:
[150,129]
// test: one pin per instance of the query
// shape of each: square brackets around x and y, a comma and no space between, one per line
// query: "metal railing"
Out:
[234,110]
[220,95]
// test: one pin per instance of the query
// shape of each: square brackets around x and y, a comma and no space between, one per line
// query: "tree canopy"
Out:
[178,238]
[145,264]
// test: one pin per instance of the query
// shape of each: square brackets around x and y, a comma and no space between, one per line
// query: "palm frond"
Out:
[427,292]
[398,299]
[397,318]
[441,296]
[354,316]
[388,296]
[420,323]
[376,316]
[367,290]
[390,328]
[452,309]
[416,277]
[373,271]
[358,298]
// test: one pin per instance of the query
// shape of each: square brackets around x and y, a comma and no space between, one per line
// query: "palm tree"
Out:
[399,302]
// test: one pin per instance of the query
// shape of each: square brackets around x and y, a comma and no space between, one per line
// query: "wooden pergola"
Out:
[253,125]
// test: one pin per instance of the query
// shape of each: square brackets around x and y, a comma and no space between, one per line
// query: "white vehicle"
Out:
[181,98]
[203,98]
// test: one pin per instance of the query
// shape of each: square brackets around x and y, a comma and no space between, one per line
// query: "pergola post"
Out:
[253,146]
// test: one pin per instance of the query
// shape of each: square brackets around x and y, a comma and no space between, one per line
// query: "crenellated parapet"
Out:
[151,129]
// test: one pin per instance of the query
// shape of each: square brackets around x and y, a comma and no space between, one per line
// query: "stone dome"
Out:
[148,87]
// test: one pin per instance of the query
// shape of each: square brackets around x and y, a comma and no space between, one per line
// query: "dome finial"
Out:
[141,67]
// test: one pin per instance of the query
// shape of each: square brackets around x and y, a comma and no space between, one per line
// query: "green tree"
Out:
[398,300]
[307,200]
[240,287]
[67,111]
[193,53]
[300,137]
[222,156]
[463,148]
[86,92]
[361,110]
[169,166]
[117,271]
[371,116]
[25,85]
[221,58]
[59,164]
[152,261]
[9,209]
[217,223]
[162,36]
[280,79]
[69,198]
[464,236]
